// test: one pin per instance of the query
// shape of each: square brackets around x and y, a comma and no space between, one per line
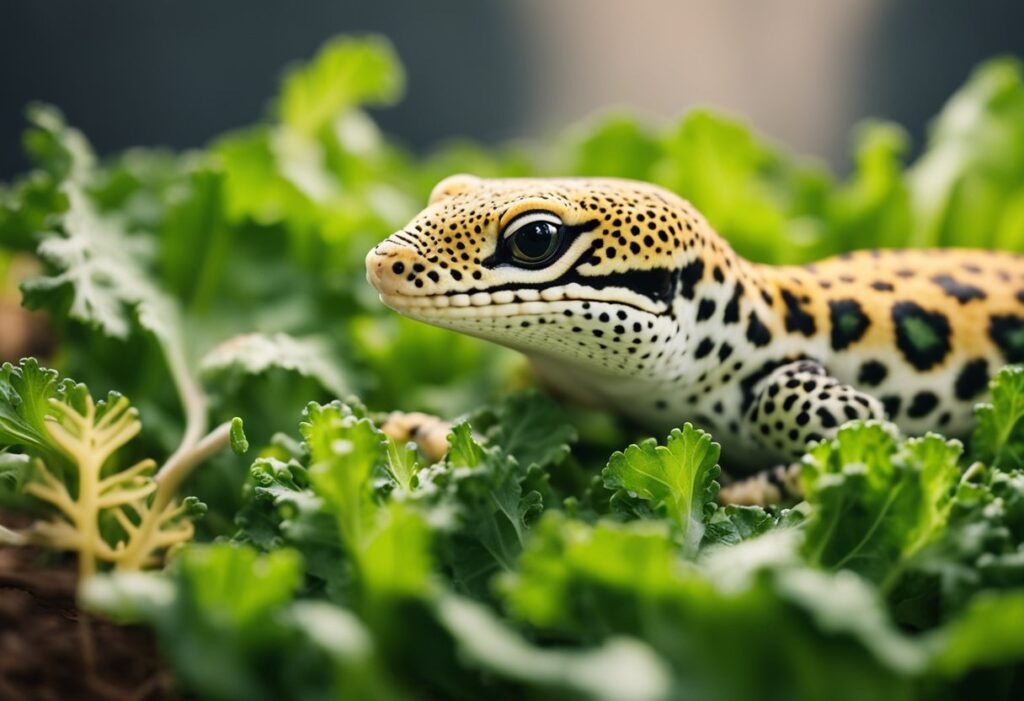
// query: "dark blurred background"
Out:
[178,72]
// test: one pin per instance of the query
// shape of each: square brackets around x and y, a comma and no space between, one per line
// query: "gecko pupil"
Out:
[534,242]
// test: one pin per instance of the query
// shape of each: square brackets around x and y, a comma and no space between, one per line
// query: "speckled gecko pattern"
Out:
[623,297]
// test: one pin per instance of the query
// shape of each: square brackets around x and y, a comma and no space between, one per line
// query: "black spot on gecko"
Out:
[961,292]
[1007,330]
[891,403]
[922,336]
[732,309]
[827,419]
[848,322]
[872,373]
[972,380]
[757,332]
[689,275]
[797,319]
[705,309]
[922,404]
[704,348]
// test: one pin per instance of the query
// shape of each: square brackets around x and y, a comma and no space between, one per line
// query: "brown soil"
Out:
[49,650]
[24,333]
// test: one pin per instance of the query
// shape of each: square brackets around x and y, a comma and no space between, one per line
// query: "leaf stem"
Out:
[183,461]
[890,500]
[193,401]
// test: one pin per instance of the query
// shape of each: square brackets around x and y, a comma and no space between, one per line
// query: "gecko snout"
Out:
[394,268]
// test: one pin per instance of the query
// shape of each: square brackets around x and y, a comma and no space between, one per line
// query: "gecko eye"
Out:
[533,238]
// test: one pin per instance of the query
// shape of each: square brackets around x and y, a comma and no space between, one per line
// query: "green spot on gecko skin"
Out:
[920,333]
[1016,339]
[849,323]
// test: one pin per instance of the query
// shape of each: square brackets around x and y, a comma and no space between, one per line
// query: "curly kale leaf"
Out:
[998,438]
[482,493]
[981,549]
[876,501]
[532,428]
[590,582]
[345,451]
[257,353]
[677,479]
[25,393]
[99,271]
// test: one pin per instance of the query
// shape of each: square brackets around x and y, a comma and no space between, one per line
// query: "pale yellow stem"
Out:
[115,410]
[86,509]
[126,523]
[139,469]
[56,495]
[168,538]
[171,513]
[123,497]
[48,477]
[58,535]
[71,443]
[117,436]
[68,413]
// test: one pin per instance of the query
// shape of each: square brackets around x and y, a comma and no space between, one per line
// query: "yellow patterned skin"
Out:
[623,297]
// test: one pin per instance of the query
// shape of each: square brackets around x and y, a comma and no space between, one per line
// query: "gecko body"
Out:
[623,297]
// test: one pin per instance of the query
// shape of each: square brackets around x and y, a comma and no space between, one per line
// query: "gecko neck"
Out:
[697,341]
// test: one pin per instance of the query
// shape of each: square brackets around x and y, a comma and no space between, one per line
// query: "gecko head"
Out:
[579,269]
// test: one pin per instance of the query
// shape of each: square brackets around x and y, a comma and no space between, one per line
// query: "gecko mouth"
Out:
[514,303]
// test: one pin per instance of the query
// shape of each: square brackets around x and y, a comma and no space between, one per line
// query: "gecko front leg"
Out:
[797,404]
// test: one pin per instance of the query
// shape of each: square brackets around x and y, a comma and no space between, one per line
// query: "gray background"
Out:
[179,72]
